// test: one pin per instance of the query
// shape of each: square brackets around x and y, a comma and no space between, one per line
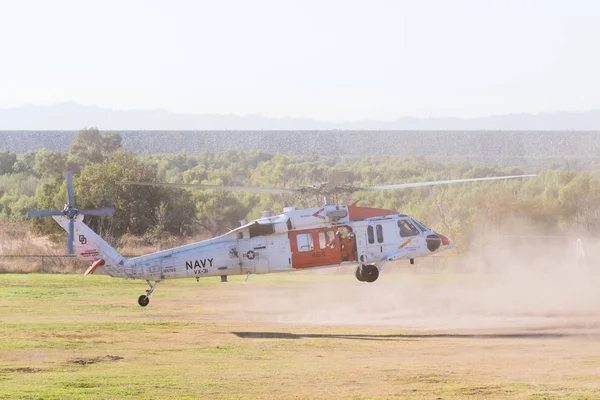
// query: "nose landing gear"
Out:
[367,273]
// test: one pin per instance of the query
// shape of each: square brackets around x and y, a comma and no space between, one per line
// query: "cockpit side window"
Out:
[407,228]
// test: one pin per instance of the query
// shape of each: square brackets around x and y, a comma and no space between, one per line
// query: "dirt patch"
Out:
[26,370]
[95,360]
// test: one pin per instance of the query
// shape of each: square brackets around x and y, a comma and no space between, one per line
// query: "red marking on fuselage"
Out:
[318,214]
[89,253]
[359,213]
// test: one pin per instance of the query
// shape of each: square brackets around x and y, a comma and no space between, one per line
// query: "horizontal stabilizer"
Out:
[96,264]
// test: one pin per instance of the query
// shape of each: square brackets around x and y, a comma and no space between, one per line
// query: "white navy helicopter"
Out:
[297,239]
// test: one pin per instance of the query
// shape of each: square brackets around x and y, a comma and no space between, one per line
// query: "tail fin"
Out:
[91,247]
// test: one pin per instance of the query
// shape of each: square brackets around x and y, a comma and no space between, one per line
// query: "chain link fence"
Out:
[41,263]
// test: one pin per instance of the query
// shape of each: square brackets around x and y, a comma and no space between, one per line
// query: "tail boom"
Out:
[89,246]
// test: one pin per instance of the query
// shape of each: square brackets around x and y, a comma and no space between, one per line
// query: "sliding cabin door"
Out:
[315,247]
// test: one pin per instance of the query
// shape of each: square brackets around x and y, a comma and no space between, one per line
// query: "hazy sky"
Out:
[328,59]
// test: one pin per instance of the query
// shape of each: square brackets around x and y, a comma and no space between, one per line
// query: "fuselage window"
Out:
[370,234]
[257,229]
[331,239]
[379,230]
[322,240]
[407,228]
[305,242]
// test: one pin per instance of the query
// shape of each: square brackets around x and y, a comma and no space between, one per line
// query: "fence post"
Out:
[42,267]
[580,254]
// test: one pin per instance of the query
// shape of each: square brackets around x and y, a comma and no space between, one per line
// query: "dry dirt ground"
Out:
[519,332]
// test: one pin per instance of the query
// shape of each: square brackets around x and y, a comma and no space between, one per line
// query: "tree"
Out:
[91,147]
[580,199]
[7,161]
[138,209]
[218,211]
[49,196]
[25,163]
[49,163]
[14,206]
[173,214]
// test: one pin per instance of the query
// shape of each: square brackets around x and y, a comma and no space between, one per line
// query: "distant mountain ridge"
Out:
[72,116]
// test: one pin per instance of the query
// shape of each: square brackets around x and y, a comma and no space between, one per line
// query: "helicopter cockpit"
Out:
[411,227]
[407,228]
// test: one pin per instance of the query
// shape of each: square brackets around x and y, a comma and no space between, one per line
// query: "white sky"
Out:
[329,59]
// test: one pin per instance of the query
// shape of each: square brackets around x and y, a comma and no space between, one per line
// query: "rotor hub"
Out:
[70,212]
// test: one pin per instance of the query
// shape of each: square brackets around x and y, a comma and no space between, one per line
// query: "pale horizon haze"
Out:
[327,60]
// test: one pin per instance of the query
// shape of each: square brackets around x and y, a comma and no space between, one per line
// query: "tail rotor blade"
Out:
[98,211]
[70,195]
[71,235]
[44,213]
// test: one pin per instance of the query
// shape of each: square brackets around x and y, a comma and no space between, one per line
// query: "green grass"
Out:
[69,337]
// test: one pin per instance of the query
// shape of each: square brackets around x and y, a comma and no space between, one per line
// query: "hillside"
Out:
[498,147]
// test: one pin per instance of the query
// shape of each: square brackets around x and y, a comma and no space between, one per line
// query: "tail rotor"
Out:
[71,212]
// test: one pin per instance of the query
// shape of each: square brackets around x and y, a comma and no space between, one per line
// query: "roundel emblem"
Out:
[250,254]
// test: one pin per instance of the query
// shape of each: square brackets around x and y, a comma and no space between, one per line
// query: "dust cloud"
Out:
[520,283]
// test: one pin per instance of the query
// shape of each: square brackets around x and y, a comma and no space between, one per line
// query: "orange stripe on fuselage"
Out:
[359,213]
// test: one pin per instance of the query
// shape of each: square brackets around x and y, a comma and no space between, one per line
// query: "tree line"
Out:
[558,201]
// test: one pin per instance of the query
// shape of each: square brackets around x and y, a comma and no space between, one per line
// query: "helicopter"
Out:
[327,236]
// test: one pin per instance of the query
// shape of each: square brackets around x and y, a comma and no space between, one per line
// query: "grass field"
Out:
[281,337]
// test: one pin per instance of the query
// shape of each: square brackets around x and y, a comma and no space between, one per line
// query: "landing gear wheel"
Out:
[369,273]
[358,274]
[143,300]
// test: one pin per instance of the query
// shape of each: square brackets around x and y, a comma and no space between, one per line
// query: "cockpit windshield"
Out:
[407,228]
[420,225]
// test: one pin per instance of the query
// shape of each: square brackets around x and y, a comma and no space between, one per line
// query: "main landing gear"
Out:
[144,300]
[367,273]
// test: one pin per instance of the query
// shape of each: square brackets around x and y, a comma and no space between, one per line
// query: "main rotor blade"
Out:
[71,236]
[98,211]
[44,213]
[336,178]
[218,187]
[70,195]
[433,183]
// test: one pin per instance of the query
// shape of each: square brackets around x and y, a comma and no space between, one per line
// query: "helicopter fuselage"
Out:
[319,237]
